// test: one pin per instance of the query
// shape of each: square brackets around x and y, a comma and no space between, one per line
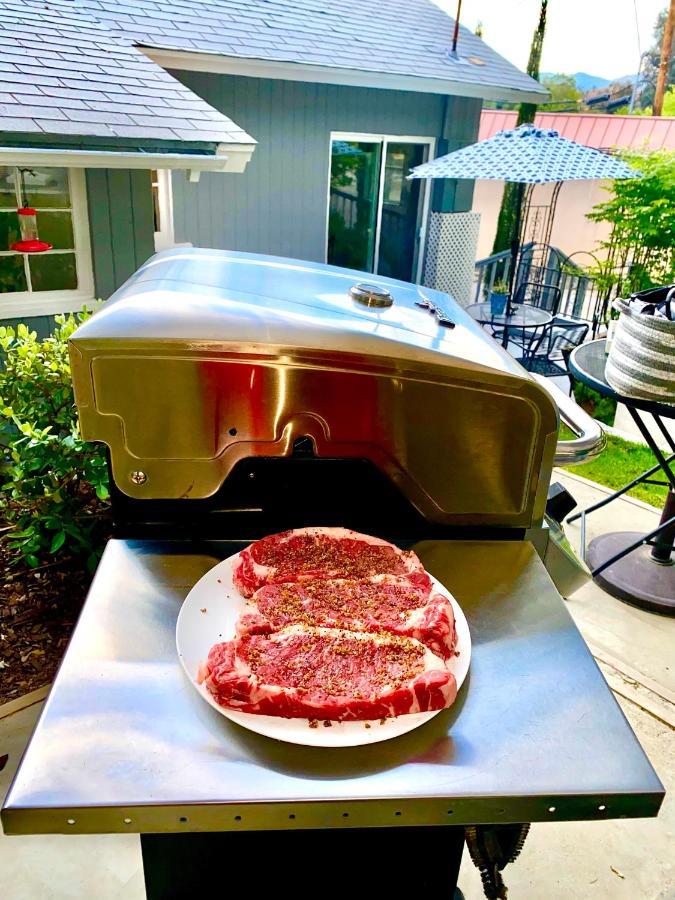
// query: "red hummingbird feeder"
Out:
[30,241]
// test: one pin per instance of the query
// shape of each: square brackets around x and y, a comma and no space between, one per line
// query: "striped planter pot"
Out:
[641,361]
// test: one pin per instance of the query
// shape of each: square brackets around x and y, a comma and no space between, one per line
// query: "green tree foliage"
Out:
[640,251]
[54,485]
[513,194]
[668,106]
[650,66]
[563,90]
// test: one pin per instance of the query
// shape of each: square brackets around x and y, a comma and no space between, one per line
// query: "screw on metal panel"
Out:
[127,821]
[70,821]
[138,477]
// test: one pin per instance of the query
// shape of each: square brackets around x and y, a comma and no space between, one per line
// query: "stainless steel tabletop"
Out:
[126,744]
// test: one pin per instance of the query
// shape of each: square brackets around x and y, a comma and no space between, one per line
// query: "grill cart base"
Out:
[398,863]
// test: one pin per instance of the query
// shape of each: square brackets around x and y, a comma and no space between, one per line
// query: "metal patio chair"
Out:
[532,293]
[550,354]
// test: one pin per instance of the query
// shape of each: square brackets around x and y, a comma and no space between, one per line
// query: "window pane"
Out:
[46,187]
[9,229]
[12,275]
[7,188]
[400,211]
[354,183]
[56,228]
[53,271]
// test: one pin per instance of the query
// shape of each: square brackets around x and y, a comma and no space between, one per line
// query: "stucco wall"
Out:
[572,231]
[279,204]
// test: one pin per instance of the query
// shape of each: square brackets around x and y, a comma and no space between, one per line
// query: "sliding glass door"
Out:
[375,214]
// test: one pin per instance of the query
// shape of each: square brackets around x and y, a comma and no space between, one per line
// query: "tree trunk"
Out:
[664,65]
[508,213]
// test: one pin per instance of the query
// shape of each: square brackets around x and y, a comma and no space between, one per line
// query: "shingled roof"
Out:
[410,39]
[73,67]
[64,72]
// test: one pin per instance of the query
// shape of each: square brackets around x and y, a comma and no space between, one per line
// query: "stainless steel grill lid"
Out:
[205,357]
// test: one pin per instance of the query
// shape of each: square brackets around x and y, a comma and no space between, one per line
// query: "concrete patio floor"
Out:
[614,859]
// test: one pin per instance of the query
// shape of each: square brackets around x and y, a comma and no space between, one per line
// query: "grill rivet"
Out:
[138,477]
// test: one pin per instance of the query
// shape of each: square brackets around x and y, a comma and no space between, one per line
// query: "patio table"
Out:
[633,567]
[521,316]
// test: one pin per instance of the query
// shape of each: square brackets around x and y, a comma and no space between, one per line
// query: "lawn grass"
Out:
[618,464]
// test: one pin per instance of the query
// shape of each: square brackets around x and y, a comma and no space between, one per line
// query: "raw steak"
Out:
[325,673]
[306,554]
[383,603]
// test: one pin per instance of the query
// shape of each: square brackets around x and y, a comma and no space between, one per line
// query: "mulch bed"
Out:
[38,611]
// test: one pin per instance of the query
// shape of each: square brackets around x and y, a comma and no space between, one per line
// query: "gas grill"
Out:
[239,395]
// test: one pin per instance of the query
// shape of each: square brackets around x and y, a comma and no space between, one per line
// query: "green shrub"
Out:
[54,485]
[601,408]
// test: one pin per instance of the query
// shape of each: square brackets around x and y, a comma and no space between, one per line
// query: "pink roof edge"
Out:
[591,129]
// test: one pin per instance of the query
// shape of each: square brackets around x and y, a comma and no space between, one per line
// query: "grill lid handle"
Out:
[590,438]
[371,295]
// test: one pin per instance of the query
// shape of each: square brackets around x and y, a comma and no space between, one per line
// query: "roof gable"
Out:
[406,38]
[64,72]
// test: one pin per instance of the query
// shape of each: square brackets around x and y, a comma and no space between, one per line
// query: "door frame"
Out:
[423,220]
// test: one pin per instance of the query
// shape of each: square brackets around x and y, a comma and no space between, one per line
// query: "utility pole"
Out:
[664,65]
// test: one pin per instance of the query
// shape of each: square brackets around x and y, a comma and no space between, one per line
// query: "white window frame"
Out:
[44,303]
[385,139]
[164,238]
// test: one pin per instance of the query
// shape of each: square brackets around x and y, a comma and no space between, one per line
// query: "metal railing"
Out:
[580,296]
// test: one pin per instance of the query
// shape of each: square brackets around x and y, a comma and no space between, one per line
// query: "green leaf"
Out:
[58,541]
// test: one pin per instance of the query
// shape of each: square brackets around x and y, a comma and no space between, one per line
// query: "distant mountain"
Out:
[586,82]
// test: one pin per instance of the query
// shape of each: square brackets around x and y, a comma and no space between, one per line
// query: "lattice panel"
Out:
[451,253]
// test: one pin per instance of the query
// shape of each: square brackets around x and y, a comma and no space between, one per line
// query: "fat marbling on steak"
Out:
[306,554]
[383,603]
[326,673]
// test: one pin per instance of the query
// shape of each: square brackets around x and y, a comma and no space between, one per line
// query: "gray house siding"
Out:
[279,205]
[41,325]
[120,223]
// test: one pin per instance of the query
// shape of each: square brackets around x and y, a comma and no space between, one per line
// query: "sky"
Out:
[595,36]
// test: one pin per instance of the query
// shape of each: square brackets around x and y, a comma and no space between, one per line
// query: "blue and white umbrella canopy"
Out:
[526,155]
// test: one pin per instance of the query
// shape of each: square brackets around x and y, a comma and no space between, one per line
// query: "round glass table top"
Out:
[587,364]
[522,316]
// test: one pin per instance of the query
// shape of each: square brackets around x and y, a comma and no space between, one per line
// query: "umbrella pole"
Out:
[515,242]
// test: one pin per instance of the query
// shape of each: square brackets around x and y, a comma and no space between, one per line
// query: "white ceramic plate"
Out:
[208,616]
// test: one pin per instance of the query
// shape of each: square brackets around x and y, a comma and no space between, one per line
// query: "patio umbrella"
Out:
[525,155]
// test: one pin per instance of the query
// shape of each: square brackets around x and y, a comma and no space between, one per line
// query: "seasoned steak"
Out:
[384,603]
[307,554]
[324,673]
